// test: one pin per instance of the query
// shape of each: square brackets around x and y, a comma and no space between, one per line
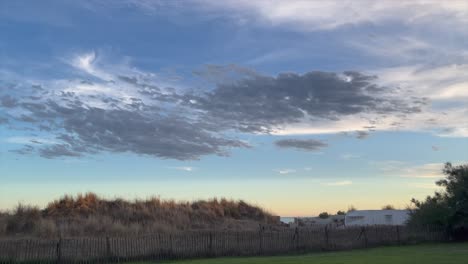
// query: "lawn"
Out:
[424,254]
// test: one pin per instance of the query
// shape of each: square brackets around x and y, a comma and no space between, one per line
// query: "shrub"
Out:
[23,219]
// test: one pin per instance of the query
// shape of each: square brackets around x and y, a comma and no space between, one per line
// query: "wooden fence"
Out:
[208,244]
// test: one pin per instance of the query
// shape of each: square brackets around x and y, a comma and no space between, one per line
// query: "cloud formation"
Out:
[301,144]
[318,15]
[87,130]
[259,103]
[285,171]
[112,107]
[338,183]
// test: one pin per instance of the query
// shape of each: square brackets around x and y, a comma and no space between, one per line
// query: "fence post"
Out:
[108,249]
[171,247]
[326,238]
[210,245]
[296,238]
[260,240]
[59,251]
[398,235]
[364,232]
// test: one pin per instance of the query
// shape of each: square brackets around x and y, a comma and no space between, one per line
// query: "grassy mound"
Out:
[90,215]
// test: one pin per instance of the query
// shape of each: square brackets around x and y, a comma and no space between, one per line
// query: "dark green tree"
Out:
[324,215]
[449,207]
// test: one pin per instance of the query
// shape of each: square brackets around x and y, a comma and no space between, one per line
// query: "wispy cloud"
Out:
[329,15]
[285,171]
[338,183]
[430,170]
[184,168]
[350,156]
[30,140]
[301,144]
[405,170]
[419,185]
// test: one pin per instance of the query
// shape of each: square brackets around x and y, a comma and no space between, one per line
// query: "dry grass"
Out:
[90,215]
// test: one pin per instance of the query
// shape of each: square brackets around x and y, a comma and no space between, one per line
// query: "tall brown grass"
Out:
[90,215]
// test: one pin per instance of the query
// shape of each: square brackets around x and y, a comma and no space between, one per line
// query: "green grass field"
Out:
[424,254]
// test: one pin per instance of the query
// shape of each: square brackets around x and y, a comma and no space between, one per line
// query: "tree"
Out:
[340,213]
[351,208]
[324,215]
[447,208]
[388,207]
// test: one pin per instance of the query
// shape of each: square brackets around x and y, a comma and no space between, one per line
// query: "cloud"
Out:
[430,170]
[445,82]
[29,140]
[301,144]
[92,130]
[107,106]
[301,15]
[184,168]
[134,111]
[285,171]
[258,103]
[25,150]
[318,15]
[8,102]
[338,183]
[62,150]
[349,156]
[419,185]
[404,170]
[445,86]
[362,134]
[123,112]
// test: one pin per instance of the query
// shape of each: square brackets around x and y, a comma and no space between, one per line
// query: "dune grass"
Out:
[451,253]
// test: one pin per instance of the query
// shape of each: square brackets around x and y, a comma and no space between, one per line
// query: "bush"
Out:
[23,219]
[3,223]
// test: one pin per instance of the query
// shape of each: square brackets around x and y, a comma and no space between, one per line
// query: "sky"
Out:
[296,106]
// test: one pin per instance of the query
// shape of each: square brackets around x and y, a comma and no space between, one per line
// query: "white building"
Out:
[331,221]
[376,217]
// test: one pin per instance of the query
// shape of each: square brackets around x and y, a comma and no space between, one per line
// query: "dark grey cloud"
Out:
[88,130]
[25,150]
[186,125]
[8,102]
[59,150]
[260,103]
[301,144]
[362,134]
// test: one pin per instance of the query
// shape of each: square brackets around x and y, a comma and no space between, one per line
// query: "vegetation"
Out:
[388,207]
[324,215]
[448,208]
[90,215]
[351,208]
[427,254]
[340,213]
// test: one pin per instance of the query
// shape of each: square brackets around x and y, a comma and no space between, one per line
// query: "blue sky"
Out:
[298,106]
